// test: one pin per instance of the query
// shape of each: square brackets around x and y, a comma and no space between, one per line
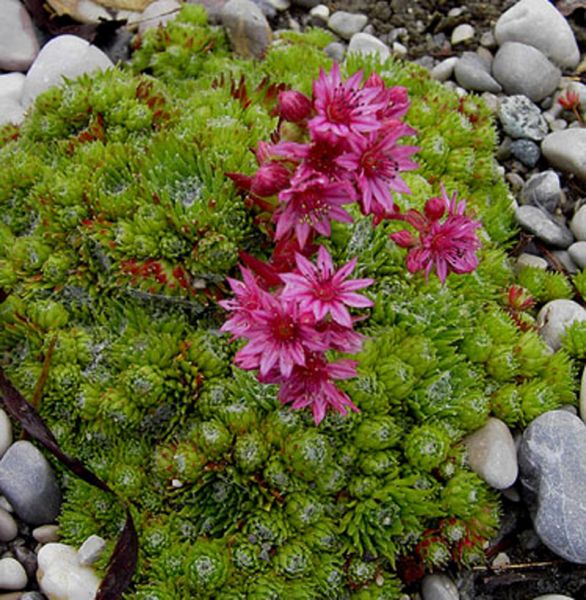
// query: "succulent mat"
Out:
[118,230]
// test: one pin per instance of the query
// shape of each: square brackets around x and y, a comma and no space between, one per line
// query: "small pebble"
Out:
[247,28]
[522,69]
[578,224]
[12,574]
[555,317]
[364,43]
[564,257]
[10,112]
[492,454]
[28,559]
[32,596]
[539,223]
[443,70]
[543,190]
[501,560]
[320,12]
[530,260]
[91,550]
[346,24]
[526,151]
[46,534]
[461,34]
[439,587]
[11,86]
[521,118]
[399,49]
[487,40]
[336,51]
[553,597]
[8,526]
[5,432]
[158,13]
[18,42]
[473,73]
[577,251]
[566,150]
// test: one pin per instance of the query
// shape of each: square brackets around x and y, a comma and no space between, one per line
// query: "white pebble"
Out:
[439,587]
[11,85]
[6,505]
[158,13]
[555,317]
[443,70]
[492,454]
[12,574]
[501,560]
[321,12]
[399,49]
[462,33]
[8,526]
[577,251]
[582,403]
[578,224]
[553,597]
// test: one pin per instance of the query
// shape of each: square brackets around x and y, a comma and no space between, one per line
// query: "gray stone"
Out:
[462,33]
[530,260]
[492,454]
[213,8]
[578,253]
[526,151]
[552,463]
[487,40]
[320,12]
[555,317]
[247,28]
[582,399]
[346,24]
[473,73]
[32,596]
[11,86]
[18,43]
[553,597]
[543,190]
[46,534]
[400,50]
[28,482]
[8,526]
[5,432]
[306,3]
[522,69]
[566,150]
[336,51]
[521,118]
[63,56]
[439,587]
[443,70]
[91,550]
[491,101]
[10,112]
[539,223]
[566,260]
[12,574]
[578,224]
[538,23]
[158,13]
[364,43]
[28,559]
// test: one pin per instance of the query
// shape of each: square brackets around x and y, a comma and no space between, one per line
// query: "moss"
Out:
[118,231]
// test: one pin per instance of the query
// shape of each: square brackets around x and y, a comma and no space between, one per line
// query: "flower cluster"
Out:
[338,147]
[290,327]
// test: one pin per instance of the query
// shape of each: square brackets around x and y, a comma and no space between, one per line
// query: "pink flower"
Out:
[448,246]
[340,338]
[395,100]
[343,108]
[312,386]
[270,179]
[323,290]
[376,161]
[249,297]
[318,157]
[310,205]
[293,106]
[279,336]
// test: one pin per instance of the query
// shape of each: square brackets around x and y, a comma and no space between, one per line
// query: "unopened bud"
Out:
[270,179]
[435,208]
[293,106]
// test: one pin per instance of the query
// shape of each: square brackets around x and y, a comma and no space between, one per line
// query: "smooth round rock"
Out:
[11,112]
[18,42]
[364,43]
[492,454]
[566,260]
[462,33]
[346,24]
[5,432]
[522,69]
[320,12]
[543,190]
[443,70]
[530,260]
[538,23]
[539,223]
[552,464]
[11,86]
[8,526]
[158,13]
[566,150]
[439,587]
[578,224]
[555,317]
[247,27]
[63,56]
[12,575]
[46,534]
[472,72]
[521,118]
[91,550]
[526,151]
[336,51]
[32,596]
[577,252]
[28,482]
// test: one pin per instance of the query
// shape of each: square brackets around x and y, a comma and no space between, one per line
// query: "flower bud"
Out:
[403,238]
[435,208]
[270,179]
[293,106]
